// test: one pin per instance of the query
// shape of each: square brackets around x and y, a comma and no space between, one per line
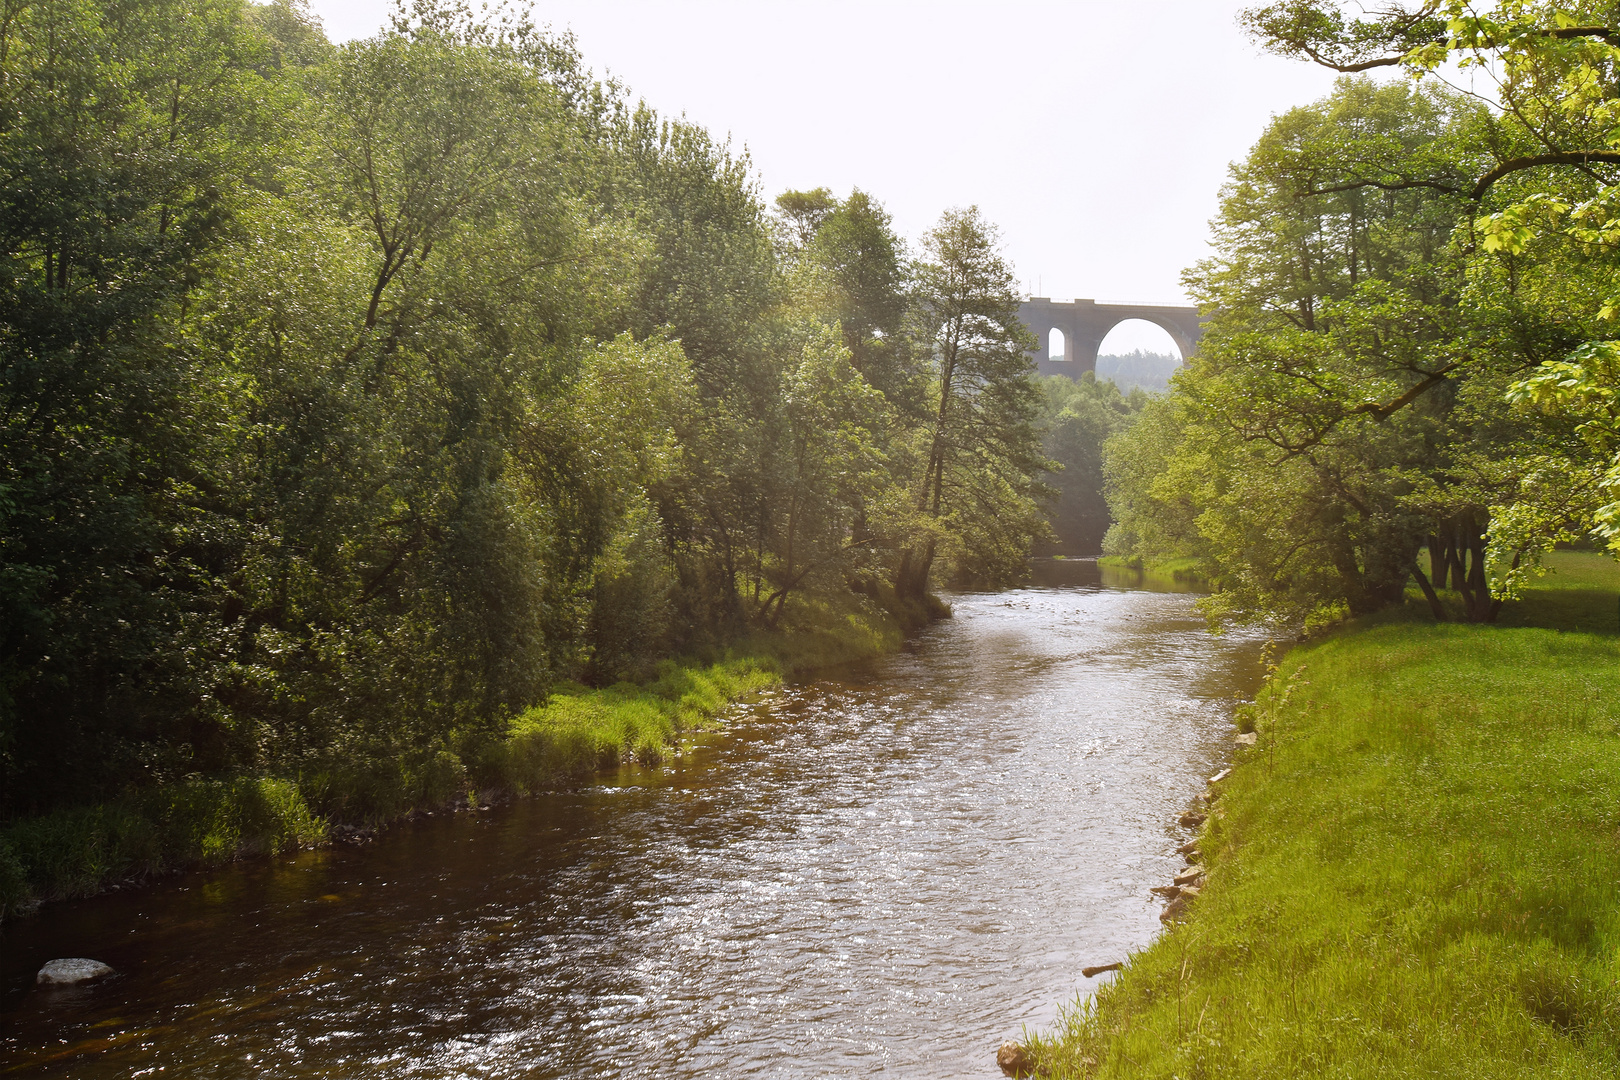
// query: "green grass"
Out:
[569,739]
[199,823]
[1416,872]
[577,734]
[1582,592]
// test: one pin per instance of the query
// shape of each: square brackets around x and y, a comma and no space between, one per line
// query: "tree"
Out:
[1541,237]
[802,213]
[1331,426]
[833,469]
[852,270]
[975,456]
[127,137]
[1079,417]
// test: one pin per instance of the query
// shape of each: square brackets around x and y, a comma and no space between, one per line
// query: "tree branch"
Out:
[1564,157]
[1603,33]
[1607,35]
[1380,412]
[1403,185]
[1435,606]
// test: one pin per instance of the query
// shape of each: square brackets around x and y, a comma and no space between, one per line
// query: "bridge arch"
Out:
[1148,335]
[1085,323]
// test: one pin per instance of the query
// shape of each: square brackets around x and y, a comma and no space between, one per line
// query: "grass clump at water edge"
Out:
[571,737]
[1412,873]
[576,734]
[207,822]
[201,822]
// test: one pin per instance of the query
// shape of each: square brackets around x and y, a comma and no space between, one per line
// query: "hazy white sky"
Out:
[1095,133]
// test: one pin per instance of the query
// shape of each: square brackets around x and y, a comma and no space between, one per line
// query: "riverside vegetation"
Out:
[1405,409]
[1411,872]
[422,415]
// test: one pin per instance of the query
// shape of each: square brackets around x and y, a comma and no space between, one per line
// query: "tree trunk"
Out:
[1435,607]
[1439,561]
[911,580]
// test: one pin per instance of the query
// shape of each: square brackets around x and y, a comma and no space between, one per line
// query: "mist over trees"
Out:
[356,396]
[1079,416]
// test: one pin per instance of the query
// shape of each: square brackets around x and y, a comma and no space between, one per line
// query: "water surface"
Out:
[889,871]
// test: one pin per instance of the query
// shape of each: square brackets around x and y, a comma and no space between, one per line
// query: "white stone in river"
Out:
[66,972]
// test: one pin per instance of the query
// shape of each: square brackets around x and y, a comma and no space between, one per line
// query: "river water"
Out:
[888,871]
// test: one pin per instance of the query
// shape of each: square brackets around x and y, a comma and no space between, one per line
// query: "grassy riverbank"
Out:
[1184,571]
[1414,872]
[575,734]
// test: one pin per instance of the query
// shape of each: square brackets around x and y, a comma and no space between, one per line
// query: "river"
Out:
[889,870]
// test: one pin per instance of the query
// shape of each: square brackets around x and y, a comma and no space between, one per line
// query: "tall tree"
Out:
[128,136]
[977,452]
[1539,229]
[1327,429]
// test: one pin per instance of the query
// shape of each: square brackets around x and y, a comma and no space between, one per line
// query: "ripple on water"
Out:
[890,871]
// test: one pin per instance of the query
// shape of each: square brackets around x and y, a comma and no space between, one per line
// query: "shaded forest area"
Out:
[358,398]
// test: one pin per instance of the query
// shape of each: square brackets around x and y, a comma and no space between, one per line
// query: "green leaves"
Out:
[356,395]
[979,451]
[1316,440]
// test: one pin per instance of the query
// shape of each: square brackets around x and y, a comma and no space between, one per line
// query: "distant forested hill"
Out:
[1147,370]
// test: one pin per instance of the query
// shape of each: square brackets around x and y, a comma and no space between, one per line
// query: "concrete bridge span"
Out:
[1085,323]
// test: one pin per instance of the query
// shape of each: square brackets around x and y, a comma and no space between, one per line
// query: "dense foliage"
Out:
[1408,350]
[356,396]
[1079,418]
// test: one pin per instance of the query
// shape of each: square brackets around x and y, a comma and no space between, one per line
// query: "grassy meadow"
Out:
[1414,872]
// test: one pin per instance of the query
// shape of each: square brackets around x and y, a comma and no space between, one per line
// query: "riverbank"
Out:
[577,733]
[1185,571]
[1412,872]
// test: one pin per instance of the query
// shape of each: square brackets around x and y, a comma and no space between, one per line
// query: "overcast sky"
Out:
[1095,133]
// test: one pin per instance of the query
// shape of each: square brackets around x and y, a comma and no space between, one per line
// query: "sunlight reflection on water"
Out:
[890,870]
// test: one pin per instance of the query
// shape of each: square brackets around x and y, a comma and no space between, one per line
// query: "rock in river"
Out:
[1190,875]
[68,972]
[1015,1060]
[1191,819]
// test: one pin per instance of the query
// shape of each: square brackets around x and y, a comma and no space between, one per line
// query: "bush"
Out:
[201,822]
[207,822]
[370,788]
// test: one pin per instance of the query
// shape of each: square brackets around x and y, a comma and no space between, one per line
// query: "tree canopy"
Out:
[355,396]
[1409,303]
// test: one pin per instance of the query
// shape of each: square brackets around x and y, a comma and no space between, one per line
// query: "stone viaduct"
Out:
[1085,323]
